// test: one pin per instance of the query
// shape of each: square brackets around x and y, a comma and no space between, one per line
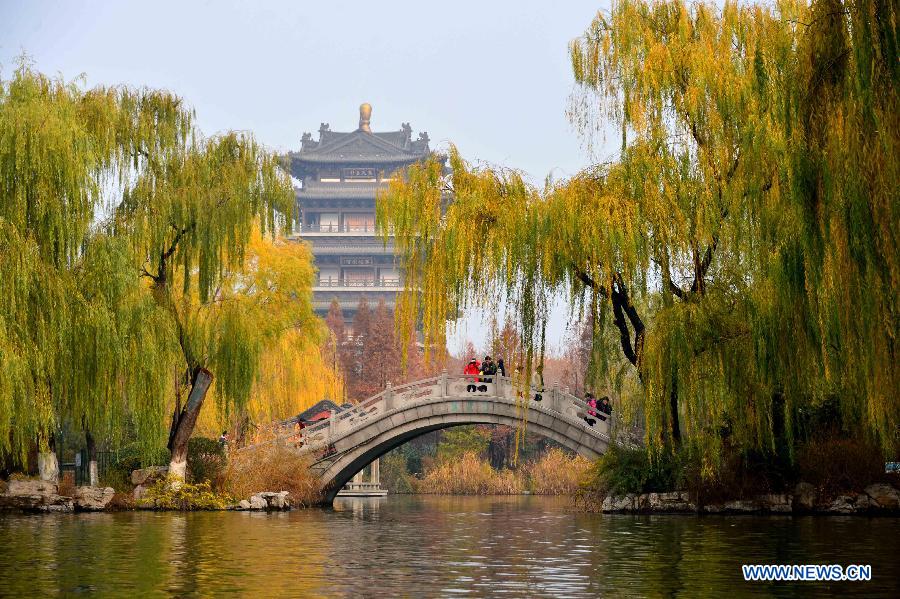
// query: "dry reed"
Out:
[557,473]
[271,467]
[469,475]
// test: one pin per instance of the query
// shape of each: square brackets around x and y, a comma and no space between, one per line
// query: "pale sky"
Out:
[492,77]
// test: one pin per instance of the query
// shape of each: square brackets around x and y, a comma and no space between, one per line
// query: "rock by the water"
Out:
[625,503]
[675,501]
[775,502]
[883,496]
[258,503]
[32,495]
[243,504]
[740,506]
[843,504]
[805,497]
[31,486]
[93,499]
[146,476]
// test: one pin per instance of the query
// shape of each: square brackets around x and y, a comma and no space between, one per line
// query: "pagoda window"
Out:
[329,222]
[329,276]
[359,222]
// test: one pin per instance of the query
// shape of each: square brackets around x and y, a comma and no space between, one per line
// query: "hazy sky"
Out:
[492,77]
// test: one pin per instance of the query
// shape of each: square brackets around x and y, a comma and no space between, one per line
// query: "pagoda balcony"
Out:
[314,231]
[357,283]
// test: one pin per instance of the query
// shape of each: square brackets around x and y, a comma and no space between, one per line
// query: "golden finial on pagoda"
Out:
[365,112]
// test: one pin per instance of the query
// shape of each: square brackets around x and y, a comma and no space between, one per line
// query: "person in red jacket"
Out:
[473,367]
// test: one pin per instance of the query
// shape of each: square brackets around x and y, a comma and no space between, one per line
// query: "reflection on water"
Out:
[434,546]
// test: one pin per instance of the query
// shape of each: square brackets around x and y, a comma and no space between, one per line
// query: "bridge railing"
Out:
[447,385]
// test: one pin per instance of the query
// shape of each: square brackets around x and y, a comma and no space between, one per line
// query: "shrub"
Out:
[271,467]
[556,473]
[837,465]
[127,459]
[167,495]
[206,460]
[621,471]
[395,475]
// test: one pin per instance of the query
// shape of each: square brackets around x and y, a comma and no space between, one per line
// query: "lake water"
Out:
[435,546]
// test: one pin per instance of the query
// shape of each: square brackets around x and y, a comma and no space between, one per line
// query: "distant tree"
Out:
[463,439]
[381,363]
[505,343]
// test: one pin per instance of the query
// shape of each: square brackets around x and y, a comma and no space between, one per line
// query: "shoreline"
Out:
[875,500]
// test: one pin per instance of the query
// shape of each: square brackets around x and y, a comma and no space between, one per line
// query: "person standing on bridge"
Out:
[489,370]
[501,368]
[473,368]
[591,417]
[604,408]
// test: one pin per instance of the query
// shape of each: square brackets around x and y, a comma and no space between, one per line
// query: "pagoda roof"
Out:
[360,147]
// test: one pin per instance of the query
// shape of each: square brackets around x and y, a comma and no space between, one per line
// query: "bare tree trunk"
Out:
[48,465]
[93,475]
[673,413]
[183,424]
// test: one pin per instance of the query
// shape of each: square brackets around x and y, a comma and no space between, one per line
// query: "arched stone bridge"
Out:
[344,444]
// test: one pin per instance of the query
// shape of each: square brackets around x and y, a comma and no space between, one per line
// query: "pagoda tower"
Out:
[340,175]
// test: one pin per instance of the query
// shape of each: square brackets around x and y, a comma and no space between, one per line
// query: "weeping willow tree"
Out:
[743,245]
[189,216]
[292,374]
[74,340]
[123,266]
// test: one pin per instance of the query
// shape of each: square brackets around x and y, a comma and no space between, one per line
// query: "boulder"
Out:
[779,503]
[675,501]
[883,497]
[31,486]
[93,499]
[139,492]
[740,506]
[842,504]
[146,476]
[258,502]
[243,504]
[805,497]
[624,503]
[32,495]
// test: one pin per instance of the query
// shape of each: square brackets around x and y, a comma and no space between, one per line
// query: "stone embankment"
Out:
[35,496]
[875,499]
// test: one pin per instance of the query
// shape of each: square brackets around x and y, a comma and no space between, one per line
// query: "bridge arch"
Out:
[348,441]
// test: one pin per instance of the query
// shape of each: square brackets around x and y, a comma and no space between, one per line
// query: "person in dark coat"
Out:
[604,408]
[489,370]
